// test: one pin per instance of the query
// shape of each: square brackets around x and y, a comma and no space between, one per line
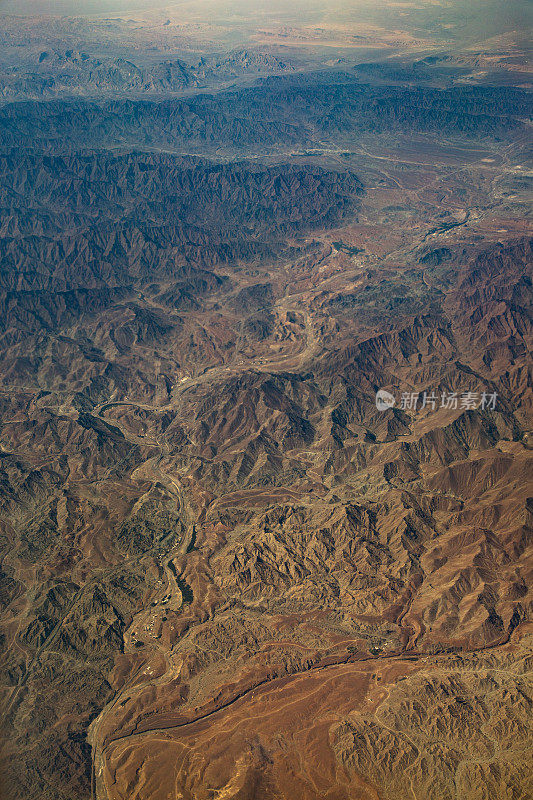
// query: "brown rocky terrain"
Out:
[225,572]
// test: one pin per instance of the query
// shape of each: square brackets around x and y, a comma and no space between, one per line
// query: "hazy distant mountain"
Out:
[73,73]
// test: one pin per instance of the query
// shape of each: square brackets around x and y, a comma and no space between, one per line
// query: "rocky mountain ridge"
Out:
[72,73]
[226,568]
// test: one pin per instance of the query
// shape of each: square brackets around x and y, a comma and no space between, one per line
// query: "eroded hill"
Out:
[225,571]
